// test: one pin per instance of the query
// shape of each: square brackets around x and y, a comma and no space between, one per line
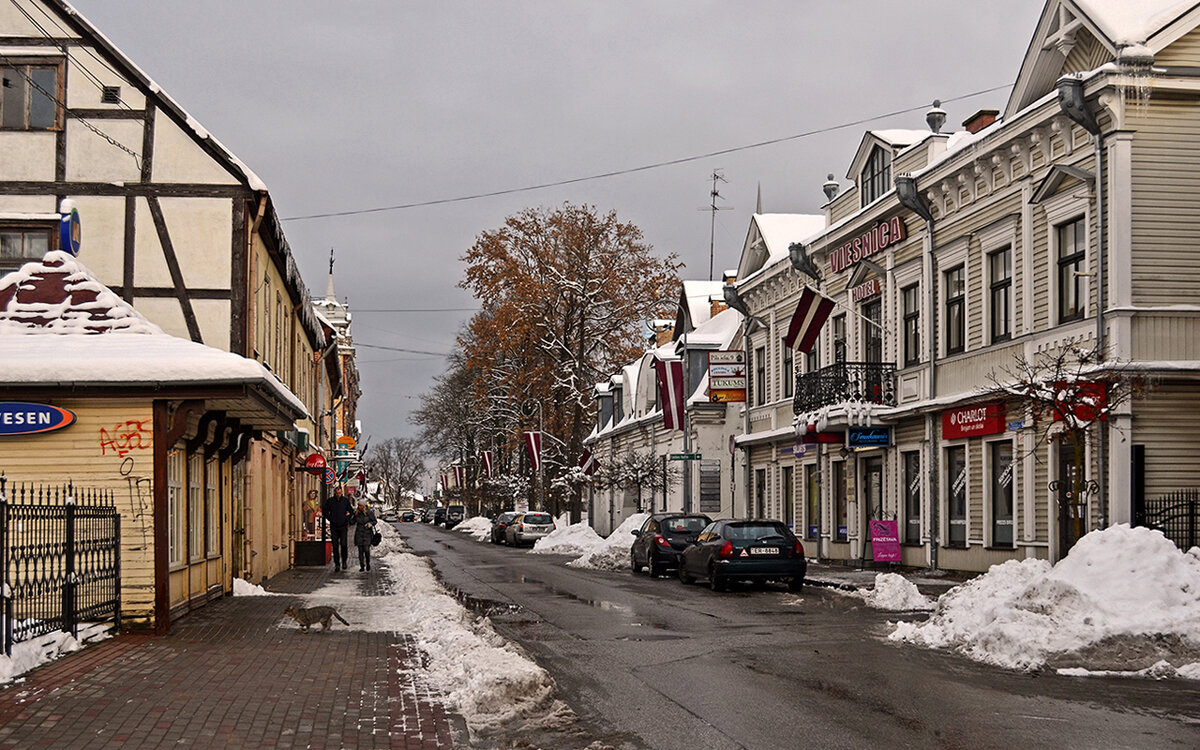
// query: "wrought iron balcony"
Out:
[874,382]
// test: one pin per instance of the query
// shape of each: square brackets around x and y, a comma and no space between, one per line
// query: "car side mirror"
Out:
[635,532]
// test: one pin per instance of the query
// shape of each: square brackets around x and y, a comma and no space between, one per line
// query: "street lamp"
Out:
[750,324]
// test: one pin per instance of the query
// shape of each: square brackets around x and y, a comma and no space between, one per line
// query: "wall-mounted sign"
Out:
[347,441]
[812,437]
[315,463]
[22,418]
[726,376]
[878,238]
[865,290]
[869,437]
[68,227]
[973,421]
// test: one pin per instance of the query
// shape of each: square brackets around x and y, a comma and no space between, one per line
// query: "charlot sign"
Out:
[878,238]
[973,421]
[22,418]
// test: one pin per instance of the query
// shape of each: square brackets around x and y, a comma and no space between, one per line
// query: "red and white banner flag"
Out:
[487,464]
[806,323]
[533,444]
[458,477]
[587,462]
[445,482]
[670,393]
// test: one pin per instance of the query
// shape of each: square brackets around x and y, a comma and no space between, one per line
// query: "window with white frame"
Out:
[912,497]
[876,176]
[1071,247]
[839,338]
[787,370]
[955,295]
[175,514]
[956,495]
[195,501]
[212,508]
[1001,466]
[1000,293]
[760,376]
[911,311]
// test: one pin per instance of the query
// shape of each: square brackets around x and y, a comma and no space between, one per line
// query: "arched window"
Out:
[876,175]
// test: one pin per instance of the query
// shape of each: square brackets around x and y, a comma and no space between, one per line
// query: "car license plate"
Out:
[764,550]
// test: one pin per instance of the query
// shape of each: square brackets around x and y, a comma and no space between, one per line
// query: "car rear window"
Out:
[752,531]
[506,517]
[684,525]
[536,518]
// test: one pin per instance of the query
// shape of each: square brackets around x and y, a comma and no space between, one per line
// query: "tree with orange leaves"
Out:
[564,293]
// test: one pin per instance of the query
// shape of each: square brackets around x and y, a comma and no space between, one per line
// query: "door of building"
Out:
[872,500]
[1072,507]
[788,478]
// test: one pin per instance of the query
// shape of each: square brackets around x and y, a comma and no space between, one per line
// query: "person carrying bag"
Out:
[364,533]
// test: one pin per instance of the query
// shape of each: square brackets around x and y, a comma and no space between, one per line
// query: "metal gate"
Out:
[1176,515]
[60,552]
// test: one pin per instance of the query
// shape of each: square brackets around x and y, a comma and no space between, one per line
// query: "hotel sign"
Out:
[865,290]
[877,239]
[974,421]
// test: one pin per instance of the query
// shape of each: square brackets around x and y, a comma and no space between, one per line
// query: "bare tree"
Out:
[641,471]
[398,464]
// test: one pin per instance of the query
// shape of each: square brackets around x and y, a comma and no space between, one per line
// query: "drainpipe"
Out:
[1073,103]
[910,197]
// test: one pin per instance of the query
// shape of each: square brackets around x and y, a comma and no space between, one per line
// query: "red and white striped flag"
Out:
[806,323]
[533,444]
[587,462]
[487,464]
[458,477]
[670,393]
[445,482]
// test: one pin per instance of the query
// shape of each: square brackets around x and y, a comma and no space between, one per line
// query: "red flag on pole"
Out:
[533,444]
[445,482]
[587,462]
[487,464]
[458,477]
[806,323]
[670,393]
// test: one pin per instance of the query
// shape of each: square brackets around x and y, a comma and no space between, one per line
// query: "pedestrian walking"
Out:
[364,531]
[338,512]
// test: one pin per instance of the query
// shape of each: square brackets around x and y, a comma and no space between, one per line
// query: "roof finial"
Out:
[330,296]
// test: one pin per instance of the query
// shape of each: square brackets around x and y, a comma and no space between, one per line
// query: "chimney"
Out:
[716,305]
[980,120]
[664,335]
[729,275]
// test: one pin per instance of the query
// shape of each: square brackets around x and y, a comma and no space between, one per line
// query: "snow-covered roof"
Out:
[717,332]
[61,327]
[697,295]
[1133,21]
[778,231]
[900,138]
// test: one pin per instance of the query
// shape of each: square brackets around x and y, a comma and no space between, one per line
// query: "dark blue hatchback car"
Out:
[749,550]
[661,538]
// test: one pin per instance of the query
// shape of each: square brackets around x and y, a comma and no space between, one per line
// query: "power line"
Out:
[412,309]
[634,170]
[399,349]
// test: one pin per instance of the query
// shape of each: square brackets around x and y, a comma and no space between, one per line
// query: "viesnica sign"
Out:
[23,418]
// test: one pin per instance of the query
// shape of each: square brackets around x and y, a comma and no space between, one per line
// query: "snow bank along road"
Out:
[651,663]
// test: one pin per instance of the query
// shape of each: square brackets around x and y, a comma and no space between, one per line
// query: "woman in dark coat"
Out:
[364,529]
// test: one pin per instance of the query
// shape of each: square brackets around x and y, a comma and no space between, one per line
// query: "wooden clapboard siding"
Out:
[1041,272]
[1087,54]
[1166,424]
[1166,191]
[1184,51]
[110,447]
[910,431]
[1168,335]
[968,373]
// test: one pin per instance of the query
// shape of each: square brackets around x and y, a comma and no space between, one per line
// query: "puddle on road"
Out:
[597,603]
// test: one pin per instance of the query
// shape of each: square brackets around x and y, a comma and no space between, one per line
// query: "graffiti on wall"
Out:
[126,437]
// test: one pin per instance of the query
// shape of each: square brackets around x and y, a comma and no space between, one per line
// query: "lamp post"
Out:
[910,197]
[749,323]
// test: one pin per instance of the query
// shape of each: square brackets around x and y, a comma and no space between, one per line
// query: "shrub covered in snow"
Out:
[1129,590]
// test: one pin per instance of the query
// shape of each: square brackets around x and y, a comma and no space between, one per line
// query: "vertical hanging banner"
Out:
[486,462]
[445,482]
[670,393]
[587,462]
[458,477]
[533,444]
[806,323]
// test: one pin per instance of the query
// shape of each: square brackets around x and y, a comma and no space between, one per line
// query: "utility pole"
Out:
[717,176]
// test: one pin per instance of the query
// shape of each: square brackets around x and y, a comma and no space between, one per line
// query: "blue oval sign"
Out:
[69,234]
[21,418]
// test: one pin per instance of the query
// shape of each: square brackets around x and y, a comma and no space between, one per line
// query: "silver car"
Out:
[528,528]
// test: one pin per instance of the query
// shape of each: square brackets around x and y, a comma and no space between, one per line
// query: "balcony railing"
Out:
[873,382]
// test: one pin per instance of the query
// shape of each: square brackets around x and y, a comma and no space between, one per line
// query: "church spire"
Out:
[330,296]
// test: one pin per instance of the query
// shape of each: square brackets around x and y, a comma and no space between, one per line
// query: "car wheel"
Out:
[633,565]
[796,584]
[715,582]
[684,578]
[655,568]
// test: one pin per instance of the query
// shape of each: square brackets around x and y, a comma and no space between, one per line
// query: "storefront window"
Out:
[956,486]
[1002,494]
[841,509]
[788,478]
[760,493]
[912,497]
[812,500]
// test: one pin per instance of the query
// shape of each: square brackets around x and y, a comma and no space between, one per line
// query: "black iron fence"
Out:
[60,548]
[1175,514]
[873,382]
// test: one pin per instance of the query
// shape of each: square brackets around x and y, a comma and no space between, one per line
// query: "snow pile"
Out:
[895,593]
[242,587]
[44,649]
[573,539]
[613,552]
[1122,600]
[484,677]
[477,526]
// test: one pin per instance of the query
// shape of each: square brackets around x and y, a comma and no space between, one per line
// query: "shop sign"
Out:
[23,418]
[865,290]
[885,541]
[878,238]
[812,437]
[727,376]
[315,463]
[68,228]
[974,421]
[869,437]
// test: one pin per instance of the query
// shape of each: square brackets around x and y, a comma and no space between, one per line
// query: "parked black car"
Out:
[660,540]
[500,525]
[408,515]
[750,550]
[439,516]
[454,515]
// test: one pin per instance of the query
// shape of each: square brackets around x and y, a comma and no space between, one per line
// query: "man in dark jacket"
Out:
[338,512]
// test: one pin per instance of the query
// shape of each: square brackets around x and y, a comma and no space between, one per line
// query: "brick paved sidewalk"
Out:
[229,676]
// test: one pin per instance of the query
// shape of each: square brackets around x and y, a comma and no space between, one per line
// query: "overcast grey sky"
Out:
[353,104]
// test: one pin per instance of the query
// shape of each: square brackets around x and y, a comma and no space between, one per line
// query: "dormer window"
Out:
[876,176]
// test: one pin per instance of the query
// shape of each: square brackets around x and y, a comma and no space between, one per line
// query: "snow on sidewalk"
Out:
[1124,600]
[590,549]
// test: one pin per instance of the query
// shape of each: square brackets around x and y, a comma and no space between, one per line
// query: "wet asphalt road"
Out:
[656,664]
